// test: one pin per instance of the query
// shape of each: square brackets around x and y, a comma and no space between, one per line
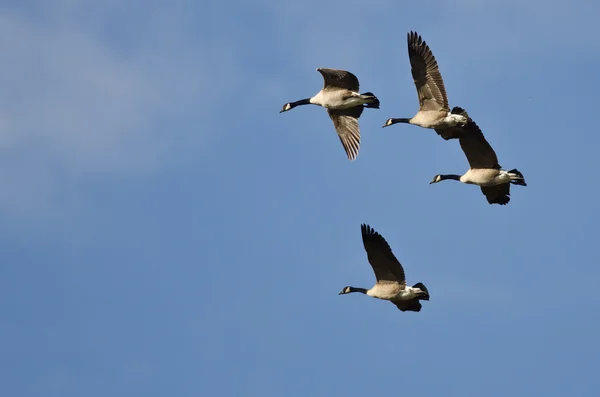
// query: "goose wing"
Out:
[412,305]
[426,75]
[478,151]
[385,265]
[499,194]
[339,79]
[345,122]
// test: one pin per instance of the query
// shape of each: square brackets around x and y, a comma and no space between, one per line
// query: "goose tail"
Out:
[460,111]
[423,288]
[373,100]
[516,177]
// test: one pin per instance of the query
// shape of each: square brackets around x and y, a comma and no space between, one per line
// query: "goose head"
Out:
[286,107]
[346,290]
[388,123]
[436,179]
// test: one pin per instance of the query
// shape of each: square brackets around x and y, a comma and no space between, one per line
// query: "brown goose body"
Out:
[391,280]
[434,112]
[344,104]
[484,169]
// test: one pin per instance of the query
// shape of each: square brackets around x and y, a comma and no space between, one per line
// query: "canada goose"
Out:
[391,281]
[434,111]
[344,105]
[484,169]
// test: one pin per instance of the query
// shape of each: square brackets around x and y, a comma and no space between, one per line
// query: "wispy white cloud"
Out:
[77,102]
[102,89]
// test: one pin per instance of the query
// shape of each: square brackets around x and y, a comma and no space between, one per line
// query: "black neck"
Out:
[361,290]
[300,102]
[401,120]
[450,176]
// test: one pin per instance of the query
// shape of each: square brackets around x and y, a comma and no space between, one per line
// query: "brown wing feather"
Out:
[499,194]
[382,259]
[412,305]
[449,133]
[426,75]
[346,125]
[478,151]
[339,78]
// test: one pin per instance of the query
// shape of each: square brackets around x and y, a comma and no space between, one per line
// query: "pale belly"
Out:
[484,177]
[434,119]
[385,291]
[345,103]
[338,100]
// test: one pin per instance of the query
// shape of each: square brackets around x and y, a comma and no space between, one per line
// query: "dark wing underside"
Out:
[426,75]
[384,263]
[339,78]
[478,151]
[499,194]
[412,305]
[346,125]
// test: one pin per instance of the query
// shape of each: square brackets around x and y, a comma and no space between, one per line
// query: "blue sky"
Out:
[165,231]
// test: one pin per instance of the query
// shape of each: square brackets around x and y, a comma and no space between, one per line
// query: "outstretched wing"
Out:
[412,305]
[499,194]
[339,78]
[426,75]
[477,149]
[382,260]
[345,122]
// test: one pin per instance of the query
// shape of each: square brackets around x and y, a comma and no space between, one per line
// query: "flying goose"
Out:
[434,111]
[484,169]
[391,281]
[344,105]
